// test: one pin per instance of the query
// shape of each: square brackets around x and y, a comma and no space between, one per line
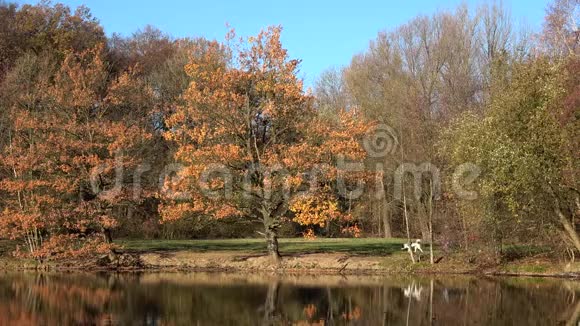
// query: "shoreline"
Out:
[292,264]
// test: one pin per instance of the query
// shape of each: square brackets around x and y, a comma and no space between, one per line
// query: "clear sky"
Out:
[321,33]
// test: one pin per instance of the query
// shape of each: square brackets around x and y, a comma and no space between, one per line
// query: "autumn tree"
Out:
[44,28]
[159,62]
[415,79]
[561,32]
[68,146]
[330,91]
[529,185]
[248,137]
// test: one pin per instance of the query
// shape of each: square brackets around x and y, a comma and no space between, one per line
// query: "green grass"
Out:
[527,268]
[357,246]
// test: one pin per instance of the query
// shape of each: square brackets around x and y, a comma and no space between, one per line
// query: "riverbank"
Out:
[300,256]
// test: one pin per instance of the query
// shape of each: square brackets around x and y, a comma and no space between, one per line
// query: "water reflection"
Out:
[225,299]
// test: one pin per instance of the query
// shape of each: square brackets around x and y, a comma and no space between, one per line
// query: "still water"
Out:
[229,299]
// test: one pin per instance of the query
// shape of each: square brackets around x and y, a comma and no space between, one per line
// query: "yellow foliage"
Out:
[314,210]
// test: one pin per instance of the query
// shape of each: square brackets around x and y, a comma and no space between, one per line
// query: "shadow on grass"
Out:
[191,245]
[362,247]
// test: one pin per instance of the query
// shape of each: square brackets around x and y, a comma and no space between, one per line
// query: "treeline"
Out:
[79,108]
[483,101]
[459,128]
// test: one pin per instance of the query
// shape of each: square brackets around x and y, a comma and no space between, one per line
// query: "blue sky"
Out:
[321,33]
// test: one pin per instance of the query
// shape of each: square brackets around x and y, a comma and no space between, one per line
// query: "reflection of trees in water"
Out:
[53,300]
[271,304]
[127,299]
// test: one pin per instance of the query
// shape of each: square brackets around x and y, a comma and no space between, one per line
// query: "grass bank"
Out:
[353,246]
[321,255]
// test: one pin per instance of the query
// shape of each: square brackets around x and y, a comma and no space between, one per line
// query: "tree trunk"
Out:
[271,234]
[387,212]
[405,203]
[431,227]
[431,302]
[568,227]
[107,235]
[272,242]
[431,258]
[570,230]
[377,213]
[465,235]
[407,226]
[423,221]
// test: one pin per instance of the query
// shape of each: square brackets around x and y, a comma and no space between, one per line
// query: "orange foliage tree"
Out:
[250,142]
[64,154]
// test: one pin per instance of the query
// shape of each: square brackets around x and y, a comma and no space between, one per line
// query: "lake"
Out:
[254,299]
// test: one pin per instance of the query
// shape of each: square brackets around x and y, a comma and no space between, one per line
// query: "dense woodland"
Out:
[460,128]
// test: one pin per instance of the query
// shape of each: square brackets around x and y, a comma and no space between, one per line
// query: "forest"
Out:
[461,129]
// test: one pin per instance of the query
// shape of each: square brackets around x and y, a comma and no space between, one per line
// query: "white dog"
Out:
[414,246]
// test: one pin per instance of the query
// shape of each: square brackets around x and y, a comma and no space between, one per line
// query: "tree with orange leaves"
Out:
[250,141]
[67,142]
